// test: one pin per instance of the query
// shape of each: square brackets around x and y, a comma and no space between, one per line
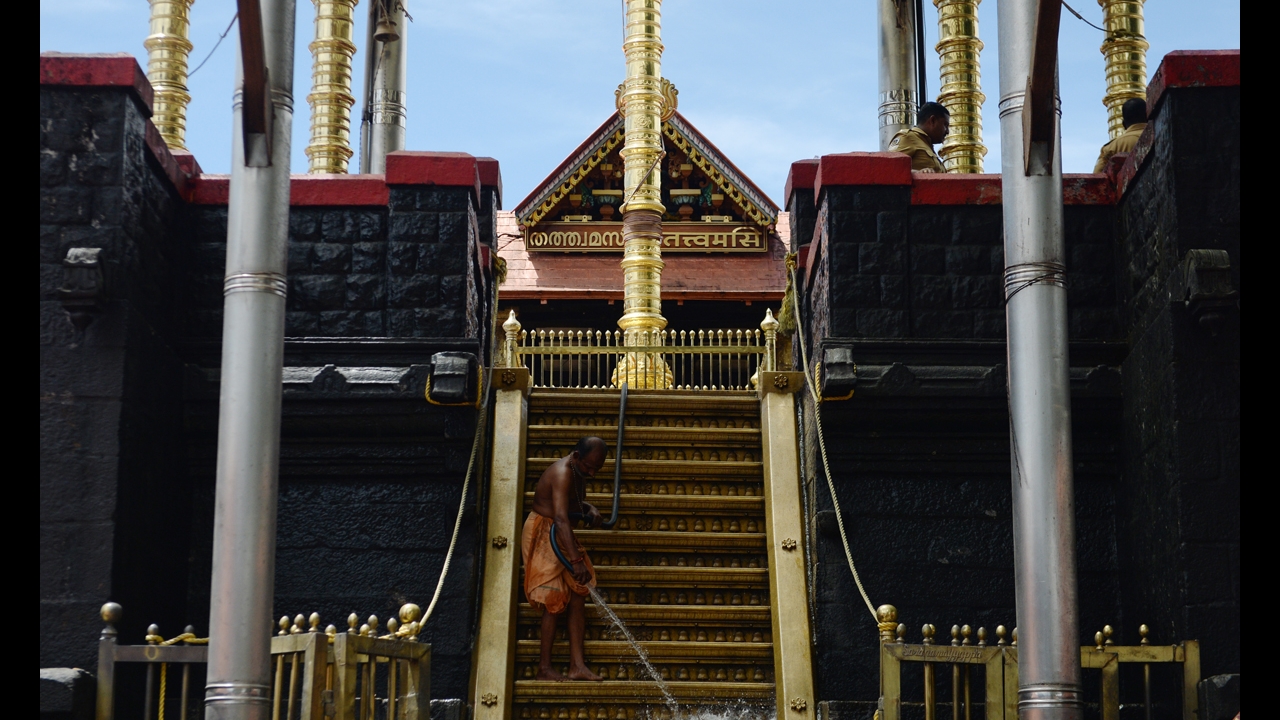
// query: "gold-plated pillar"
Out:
[1125,50]
[167,50]
[331,98]
[959,51]
[641,103]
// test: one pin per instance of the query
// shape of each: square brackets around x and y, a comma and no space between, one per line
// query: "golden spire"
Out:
[331,99]
[167,49]
[1125,50]
[959,51]
[641,103]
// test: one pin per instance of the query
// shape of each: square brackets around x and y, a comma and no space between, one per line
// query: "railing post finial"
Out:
[512,328]
[770,327]
[887,617]
[111,613]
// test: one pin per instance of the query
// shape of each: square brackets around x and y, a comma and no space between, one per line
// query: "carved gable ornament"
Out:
[710,205]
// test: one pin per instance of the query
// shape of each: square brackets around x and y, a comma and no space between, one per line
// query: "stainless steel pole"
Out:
[244,533]
[1039,396]
[387,121]
[366,111]
[899,96]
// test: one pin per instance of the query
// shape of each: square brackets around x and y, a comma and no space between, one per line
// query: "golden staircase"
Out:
[685,568]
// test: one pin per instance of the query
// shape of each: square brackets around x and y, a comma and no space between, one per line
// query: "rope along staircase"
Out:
[686,568]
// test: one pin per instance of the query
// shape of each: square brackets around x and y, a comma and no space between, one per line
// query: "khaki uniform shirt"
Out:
[915,143]
[1124,142]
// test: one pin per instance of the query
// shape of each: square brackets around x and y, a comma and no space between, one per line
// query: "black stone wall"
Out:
[371,473]
[1180,509]
[113,507]
[920,454]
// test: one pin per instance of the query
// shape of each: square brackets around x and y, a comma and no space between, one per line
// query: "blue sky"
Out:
[525,81]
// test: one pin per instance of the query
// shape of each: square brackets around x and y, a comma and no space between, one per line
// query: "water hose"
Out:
[617,484]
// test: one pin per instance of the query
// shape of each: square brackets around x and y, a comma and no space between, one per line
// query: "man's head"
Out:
[935,120]
[588,455]
[1133,111]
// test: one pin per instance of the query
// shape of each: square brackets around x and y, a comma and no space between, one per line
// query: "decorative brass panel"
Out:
[692,237]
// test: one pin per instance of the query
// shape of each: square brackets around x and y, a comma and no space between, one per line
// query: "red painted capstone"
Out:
[862,168]
[802,175]
[305,190]
[1192,68]
[96,70]
[450,169]
[955,189]
[490,174]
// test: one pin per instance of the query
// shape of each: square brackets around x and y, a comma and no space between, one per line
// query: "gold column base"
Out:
[643,371]
[642,319]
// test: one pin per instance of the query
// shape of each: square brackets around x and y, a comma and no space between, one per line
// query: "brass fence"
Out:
[354,675]
[1000,670]
[667,359]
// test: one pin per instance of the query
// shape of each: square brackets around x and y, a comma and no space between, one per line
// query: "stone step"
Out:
[671,615]
[658,651]
[566,436]
[635,470]
[637,692]
[683,578]
[637,503]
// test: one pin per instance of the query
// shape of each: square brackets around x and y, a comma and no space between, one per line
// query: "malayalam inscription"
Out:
[676,237]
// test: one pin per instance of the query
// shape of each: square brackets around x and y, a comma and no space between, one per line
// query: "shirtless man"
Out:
[561,490]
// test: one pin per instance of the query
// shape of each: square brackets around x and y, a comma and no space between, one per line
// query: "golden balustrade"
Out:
[999,668]
[959,53]
[317,674]
[168,48]
[331,100]
[1125,50]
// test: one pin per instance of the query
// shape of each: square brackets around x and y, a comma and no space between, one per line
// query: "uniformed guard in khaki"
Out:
[1124,142]
[914,142]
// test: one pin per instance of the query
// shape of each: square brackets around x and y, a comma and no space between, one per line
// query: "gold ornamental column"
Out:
[167,50]
[331,98]
[959,52]
[1125,50]
[641,103]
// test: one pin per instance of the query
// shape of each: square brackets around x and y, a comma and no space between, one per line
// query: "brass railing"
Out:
[1000,670]
[676,360]
[317,674]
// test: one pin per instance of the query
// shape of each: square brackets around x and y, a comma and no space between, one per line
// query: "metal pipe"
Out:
[330,147]
[1125,50]
[959,55]
[1039,397]
[899,71]
[244,533]
[167,50]
[387,106]
[370,60]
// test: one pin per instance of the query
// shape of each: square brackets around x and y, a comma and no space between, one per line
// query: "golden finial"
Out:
[153,634]
[1014,636]
[887,621]
[111,613]
[298,624]
[965,632]
[1106,634]
[314,621]
[982,637]
[365,630]
[331,631]
[927,631]
[955,634]
[1142,632]
[768,324]
[188,630]
[284,625]
[373,624]
[353,621]
[512,325]
[392,625]
[902,632]
[409,613]
[1097,641]
[1000,633]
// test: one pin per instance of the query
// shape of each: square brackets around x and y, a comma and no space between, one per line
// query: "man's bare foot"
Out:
[547,673]
[582,673]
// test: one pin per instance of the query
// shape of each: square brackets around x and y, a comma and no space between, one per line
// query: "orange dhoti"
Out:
[546,581]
